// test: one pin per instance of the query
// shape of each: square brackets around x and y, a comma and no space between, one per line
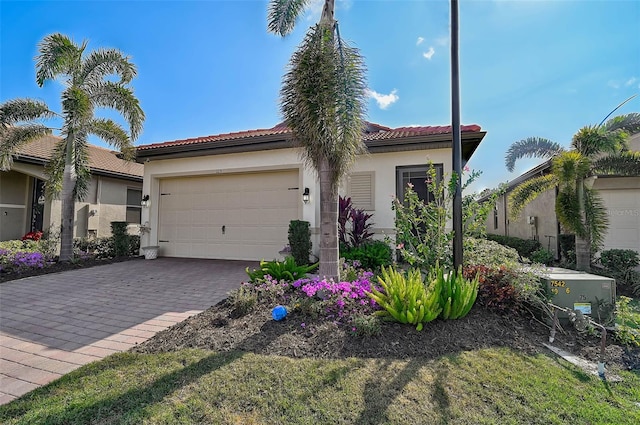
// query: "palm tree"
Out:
[86,87]
[18,126]
[595,150]
[323,102]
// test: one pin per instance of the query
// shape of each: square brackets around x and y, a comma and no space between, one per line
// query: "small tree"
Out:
[300,241]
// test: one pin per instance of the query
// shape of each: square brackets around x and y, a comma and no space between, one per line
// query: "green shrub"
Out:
[620,264]
[495,289]
[120,238]
[542,256]
[488,253]
[627,330]
[280,270]
[371,255]
[242,300]
[98,247]
[525,247]
[366,326]
[568,250]
[406,298]
[300,241]
[457,293]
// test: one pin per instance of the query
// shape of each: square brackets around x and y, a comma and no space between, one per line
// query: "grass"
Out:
[194,386]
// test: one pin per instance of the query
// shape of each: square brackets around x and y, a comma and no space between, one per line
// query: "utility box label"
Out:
[584,308]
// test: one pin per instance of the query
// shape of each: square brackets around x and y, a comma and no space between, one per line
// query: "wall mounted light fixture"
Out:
[145,201]
[305,195]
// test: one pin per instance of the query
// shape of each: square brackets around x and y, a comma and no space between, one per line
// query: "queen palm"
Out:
[323,102]
[19,125]
[595,150]
[98,78]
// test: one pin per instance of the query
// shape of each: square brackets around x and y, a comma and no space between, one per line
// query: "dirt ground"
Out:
[301,336]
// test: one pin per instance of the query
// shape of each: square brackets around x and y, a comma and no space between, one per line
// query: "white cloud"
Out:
[419,41]
[630,81]
[384,100]
[314,8]
[613,84]
[430,53]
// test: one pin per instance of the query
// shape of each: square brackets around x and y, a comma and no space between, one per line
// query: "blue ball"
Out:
[279,312]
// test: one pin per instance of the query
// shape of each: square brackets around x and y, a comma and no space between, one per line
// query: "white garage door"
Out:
[623,208]
[227,216]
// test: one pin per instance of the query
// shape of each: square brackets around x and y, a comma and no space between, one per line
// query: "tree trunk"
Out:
[583,254]
[68,212]
[328,224]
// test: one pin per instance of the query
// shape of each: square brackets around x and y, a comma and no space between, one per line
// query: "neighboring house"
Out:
[232,196]
[115,193]
[621,197]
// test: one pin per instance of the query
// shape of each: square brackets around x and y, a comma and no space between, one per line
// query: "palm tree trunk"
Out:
[583,254]
[328,224]
[68,212]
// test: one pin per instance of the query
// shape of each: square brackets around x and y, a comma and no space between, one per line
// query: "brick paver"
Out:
[55,323]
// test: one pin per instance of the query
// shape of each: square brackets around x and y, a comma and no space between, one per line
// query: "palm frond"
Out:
[76,106]
[597,219]
[531,147]
[122,99]
[78,155]
[55,169]
[568,211]
[16,110]
[528,191]
[58,55]
[621,164]
[323,101]
[114,134]
[103,62]
[282,15]
[11,138]
[570,166]
[629,123]
[593,140]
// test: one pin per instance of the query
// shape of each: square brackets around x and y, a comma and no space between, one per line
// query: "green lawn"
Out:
[192,386]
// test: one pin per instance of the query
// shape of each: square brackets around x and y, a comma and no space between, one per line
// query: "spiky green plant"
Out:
[457,294]
[323,102]
[88,84]
[595,150]
[406,297]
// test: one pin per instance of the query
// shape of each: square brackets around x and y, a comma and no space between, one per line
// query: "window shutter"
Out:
[361,190]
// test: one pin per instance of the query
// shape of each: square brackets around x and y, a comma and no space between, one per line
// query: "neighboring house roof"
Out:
[101,161]
[378,138]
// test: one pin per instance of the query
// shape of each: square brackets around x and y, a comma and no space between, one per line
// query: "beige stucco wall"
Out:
[107,196]
[384,165]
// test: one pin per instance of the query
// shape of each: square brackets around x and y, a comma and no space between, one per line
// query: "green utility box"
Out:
[593,295]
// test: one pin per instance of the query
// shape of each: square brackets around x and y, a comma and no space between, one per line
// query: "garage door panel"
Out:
[623,211]
[255,210]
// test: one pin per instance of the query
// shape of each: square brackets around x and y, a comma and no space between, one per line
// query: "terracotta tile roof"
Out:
[373,132]
[100,159]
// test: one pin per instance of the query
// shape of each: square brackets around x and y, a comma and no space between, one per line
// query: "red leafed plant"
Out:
[33,236]
[495,290]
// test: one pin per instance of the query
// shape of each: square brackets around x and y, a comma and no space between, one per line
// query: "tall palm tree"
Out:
[18,125]
[323,102]
[595,150]
[88,83]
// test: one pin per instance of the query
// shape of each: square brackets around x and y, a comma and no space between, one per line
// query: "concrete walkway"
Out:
[55,323]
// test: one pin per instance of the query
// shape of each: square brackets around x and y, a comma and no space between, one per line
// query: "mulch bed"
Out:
[61,267]
[300,336]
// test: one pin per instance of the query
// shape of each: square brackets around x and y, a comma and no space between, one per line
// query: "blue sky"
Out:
[528,68]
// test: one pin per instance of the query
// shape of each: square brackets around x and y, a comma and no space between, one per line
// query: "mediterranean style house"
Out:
[115,193]
[621,196]
[232,196]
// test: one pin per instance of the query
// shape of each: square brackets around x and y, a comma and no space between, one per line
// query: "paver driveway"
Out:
[55,323]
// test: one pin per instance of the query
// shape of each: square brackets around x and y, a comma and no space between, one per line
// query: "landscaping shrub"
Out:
[457,293]
[542,256]
[279,270]
[525,247]
[568,250]
[495,290]
[627,330]
[19,255]
[341,301]
[242,300]
[371,255]
[353,224]
[406,298]
[98,247]
[120,238]
[300,241]
[620,264]
[488,253]
[366,326]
